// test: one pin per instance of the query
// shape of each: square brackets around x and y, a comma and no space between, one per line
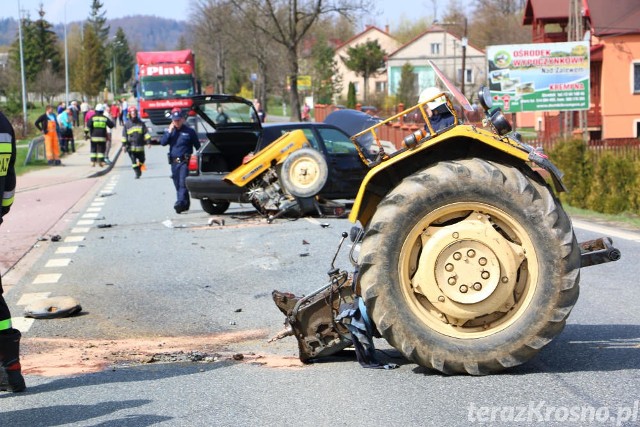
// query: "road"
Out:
[177,314]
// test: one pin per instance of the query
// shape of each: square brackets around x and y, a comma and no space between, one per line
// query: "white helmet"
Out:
[99,107]
[429,93]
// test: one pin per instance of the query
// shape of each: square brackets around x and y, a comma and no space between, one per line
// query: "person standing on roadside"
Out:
[11,378]
[65,120]
[97,126]
[182,141]
[47,123]
[123,111]
[134,137]
[84,109]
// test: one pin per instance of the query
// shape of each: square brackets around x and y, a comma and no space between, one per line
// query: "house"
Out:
[613,29]
[445,50]
[378,82]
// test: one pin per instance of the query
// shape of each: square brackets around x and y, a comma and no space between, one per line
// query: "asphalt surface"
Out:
[44,198]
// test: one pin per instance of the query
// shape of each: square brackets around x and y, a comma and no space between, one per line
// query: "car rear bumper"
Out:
[213,187]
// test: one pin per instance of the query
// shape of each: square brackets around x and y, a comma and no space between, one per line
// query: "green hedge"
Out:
[608,183]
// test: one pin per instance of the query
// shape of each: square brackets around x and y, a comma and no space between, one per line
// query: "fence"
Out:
[36,150]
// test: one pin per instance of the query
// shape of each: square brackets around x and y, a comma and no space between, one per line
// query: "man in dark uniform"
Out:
[97,126]
[182,141]
[10,371]
[134,137]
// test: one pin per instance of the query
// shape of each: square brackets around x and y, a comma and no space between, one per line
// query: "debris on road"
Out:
[56,238]
[54,307]
[105,225]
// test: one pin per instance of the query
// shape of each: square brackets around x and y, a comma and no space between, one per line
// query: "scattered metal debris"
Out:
[105,225]
[56,238]
[216,221]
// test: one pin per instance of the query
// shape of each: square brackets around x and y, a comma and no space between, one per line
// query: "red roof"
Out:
[607,17]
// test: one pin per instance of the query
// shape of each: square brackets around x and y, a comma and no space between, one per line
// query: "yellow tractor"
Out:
[467,261]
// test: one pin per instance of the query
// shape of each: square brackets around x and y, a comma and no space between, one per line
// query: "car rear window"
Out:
[336,142]
[229,113]
[271,135]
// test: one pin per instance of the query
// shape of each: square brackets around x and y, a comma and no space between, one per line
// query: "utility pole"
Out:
[575,32]
[464,55]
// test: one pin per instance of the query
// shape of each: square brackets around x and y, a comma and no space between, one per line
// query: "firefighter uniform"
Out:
[97,126]
[134,137]
[11,378]
[182,141]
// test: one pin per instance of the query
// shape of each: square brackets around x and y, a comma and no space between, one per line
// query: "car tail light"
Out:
[193,163]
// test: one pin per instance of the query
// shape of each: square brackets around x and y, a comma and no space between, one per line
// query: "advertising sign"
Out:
[540,76]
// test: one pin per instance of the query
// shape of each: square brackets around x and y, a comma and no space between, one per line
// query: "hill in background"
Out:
[143,32]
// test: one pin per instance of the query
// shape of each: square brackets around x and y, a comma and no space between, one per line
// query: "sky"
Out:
[390,11]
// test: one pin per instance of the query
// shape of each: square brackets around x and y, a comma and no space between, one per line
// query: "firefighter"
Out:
[134,136]
[97,126]
[182,139]
[11,376]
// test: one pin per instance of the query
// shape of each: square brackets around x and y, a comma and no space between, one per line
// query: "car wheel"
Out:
[214,207]
[304,173]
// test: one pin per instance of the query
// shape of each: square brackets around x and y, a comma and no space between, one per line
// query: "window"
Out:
[381,87]
[468,77]
[336,142]
[356,86]
[638,129]
[435,48]
[308,133]
[636,78]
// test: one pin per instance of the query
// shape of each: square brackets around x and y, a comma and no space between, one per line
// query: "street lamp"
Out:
[66,59]
[24,85]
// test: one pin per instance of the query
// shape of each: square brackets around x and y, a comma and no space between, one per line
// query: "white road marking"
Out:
[30,297]
[67,250]
[90,215]
[47,278]
[23,324]
[94,209]
[86,222]
[80,229]
[97,204]
[73,239]
[312,220]
[58,262]
[606,230]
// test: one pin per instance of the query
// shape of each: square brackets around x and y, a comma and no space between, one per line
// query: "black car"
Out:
[232,132]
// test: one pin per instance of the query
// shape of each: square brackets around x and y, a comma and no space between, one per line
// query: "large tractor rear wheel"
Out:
[470,267]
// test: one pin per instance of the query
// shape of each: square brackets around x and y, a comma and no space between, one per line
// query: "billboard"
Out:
[540,76]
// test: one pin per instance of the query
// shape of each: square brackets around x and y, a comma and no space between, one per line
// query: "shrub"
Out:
[572,158]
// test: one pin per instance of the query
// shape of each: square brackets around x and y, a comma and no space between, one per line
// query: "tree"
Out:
[506,15]
[351,96]
[100,63]
[326,79]
[365,59]
[91,76]
[123,59]
[38,46]
[287,23]
[407,86]
[98,20]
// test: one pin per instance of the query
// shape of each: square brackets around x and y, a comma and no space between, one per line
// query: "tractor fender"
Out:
[463,141]
[274,153]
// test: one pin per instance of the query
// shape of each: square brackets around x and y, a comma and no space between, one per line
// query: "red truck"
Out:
[164,80]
